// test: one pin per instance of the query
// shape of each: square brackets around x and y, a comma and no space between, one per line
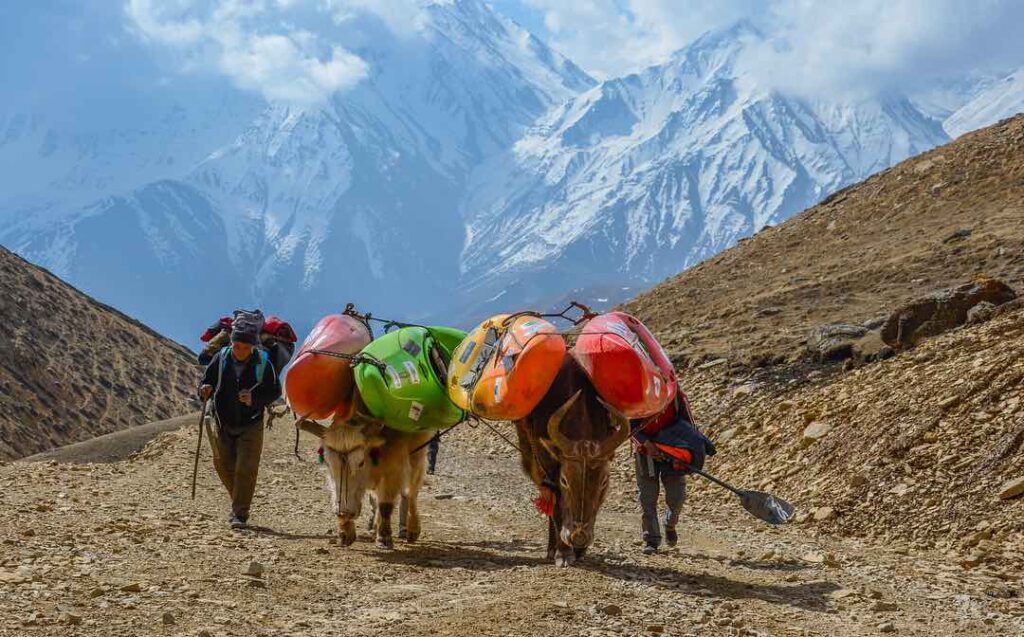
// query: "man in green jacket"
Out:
[241,383]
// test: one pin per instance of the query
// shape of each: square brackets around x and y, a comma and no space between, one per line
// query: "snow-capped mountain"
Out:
[474,169]
[306,209]
[644,175]
[997,101]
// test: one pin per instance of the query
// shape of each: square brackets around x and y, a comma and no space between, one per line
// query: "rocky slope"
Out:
[930,222]
[72,368]
[920,451]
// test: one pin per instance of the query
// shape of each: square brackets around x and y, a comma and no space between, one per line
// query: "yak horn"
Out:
[555,423]
[618,419]
[311,427]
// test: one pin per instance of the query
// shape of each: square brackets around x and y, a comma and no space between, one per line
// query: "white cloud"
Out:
[286,50]
[814,45]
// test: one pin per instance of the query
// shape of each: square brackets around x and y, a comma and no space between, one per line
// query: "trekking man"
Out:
[242,384]
[666,448]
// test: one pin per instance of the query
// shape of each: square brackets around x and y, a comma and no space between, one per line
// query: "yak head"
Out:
[584,462]
[351,449]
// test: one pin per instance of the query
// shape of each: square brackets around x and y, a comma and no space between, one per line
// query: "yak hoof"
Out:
[402,534]
[385,542]
[412,537]
[579,553]
[564,560]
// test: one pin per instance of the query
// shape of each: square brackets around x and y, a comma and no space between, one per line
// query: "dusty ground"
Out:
[118,549]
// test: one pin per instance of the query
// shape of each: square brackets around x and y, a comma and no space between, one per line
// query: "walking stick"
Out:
[199,444]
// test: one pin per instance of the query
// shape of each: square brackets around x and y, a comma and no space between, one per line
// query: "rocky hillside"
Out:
[920,450]
[930,222]
[72,368]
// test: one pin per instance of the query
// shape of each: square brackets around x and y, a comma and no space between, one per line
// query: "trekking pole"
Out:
[199,444]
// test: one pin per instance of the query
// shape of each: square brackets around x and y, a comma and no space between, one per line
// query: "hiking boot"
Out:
[650,549]
[671,537]
[237,522]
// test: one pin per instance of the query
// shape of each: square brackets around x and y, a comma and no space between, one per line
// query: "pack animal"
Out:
[567,444]
[363,455]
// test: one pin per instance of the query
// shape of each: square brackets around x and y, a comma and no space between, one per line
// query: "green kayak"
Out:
[407,388]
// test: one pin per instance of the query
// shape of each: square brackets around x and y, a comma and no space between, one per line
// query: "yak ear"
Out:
[311,427]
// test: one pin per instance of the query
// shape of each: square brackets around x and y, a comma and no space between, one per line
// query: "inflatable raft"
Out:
[403,380]
[505,366]
[626,364]
[318,385]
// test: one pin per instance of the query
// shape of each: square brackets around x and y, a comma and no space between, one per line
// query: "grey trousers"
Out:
[650,477]
[237,461]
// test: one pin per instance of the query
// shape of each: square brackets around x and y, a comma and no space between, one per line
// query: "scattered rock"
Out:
[959,235]
[941,311]
[822,514]
[255,569]
[815,432]
[880,606]
[133,587]
[611,610]
[829,343]
[980,313]
[887,627]
[1011,489]
[167,619]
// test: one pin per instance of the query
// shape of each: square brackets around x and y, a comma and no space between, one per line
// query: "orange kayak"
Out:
[504,367]
[320,386]
[628,367]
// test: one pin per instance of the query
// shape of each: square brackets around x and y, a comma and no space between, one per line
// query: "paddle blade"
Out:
[767,507]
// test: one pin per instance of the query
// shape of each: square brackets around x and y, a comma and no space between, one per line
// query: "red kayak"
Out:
[318,385]
[626,364]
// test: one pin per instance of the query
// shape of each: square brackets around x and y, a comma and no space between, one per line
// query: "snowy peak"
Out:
[998,101]
[644,175]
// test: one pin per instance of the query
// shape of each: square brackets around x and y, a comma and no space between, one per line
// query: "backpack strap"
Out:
[261,365]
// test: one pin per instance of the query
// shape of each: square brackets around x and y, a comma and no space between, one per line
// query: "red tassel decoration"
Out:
[545,502]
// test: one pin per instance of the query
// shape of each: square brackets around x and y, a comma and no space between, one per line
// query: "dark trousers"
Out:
[650,477]
[432,449]
[237,461]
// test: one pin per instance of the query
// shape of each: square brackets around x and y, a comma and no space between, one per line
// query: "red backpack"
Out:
[279,328]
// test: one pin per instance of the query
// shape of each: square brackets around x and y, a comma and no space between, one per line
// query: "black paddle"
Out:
[764,506]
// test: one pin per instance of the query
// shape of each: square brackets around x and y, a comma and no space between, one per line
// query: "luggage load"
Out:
[626,364]
[503,368]
[402,382]
[318,385]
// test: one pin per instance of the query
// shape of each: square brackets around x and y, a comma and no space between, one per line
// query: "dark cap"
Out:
[244,336]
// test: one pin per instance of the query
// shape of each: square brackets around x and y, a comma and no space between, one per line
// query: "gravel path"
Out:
[119,549]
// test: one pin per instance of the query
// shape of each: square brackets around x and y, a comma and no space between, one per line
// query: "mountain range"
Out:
[474,170]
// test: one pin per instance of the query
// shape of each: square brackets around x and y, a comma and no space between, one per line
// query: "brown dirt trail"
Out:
[118,549]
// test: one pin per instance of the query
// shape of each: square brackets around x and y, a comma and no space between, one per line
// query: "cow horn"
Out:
[555,423]
[619,436]
[311,427]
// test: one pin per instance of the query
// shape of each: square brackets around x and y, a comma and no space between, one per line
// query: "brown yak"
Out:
[567,444]
[362,454]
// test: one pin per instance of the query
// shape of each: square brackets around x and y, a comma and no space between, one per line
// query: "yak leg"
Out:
[564,554]
[552,538]
[387,493]
[417,468]
[371,524]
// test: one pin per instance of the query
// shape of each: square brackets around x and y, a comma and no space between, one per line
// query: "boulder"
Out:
[942,311]
[980,313]
[1011,489]
[815,432]
[834,342]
